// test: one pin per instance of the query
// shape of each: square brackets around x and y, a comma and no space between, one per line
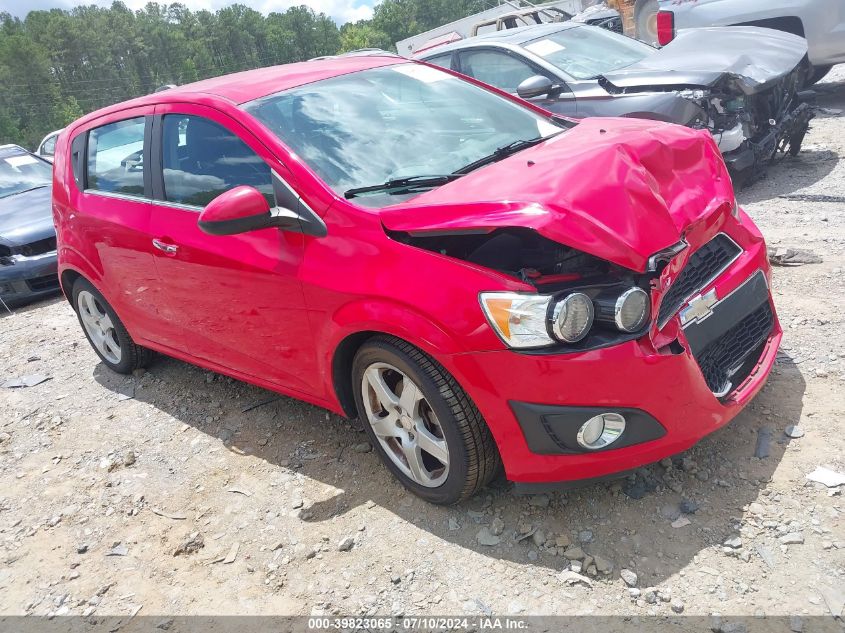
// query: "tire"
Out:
[645,20]
[106,332]
[817,73]
[442,412]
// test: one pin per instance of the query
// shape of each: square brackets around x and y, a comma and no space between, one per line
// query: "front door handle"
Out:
[169,249]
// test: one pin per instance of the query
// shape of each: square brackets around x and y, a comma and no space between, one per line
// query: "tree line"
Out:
[57,65]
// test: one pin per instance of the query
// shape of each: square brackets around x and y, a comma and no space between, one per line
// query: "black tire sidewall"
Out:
[127,363]
[453,488]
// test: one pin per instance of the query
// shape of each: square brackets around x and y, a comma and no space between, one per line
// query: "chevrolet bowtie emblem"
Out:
[699,308]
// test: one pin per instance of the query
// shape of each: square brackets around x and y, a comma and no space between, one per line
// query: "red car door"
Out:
[239,297]
[111,219]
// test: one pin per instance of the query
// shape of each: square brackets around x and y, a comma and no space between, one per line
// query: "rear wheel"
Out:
[105,331]
[645,20]
[423,425]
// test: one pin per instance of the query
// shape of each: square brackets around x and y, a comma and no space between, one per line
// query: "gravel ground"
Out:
[160,493]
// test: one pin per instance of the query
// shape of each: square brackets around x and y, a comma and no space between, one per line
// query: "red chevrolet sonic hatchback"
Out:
[482,283]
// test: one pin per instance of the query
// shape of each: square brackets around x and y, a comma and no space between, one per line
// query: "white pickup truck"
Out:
[821,22]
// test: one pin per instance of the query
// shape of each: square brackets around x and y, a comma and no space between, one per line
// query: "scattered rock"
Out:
[497,526]
[487,538]
[829,478]
[363,447]
[192,543]
[793,431]
[574,553]
[603,566]
[585,536]
[792,538]
[129,459]
[628,577]
[346,544]
[688,506]
[677,606]
[118,549]
[734,542]
[573,578]
[539,538]
[539,501]
[680,522]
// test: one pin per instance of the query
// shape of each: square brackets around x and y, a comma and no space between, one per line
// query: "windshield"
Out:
[20,172]
[384,124]
[584,52]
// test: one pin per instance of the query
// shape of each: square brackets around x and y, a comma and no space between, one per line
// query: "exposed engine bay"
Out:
[519,252]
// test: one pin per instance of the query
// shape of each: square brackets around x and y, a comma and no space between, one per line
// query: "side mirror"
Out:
[244,209]
[536,86]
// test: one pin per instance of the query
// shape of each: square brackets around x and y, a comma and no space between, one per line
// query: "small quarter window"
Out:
[116,157]
[202,159]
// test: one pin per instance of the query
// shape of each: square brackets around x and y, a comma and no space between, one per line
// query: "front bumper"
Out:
[29,278]
[657,381]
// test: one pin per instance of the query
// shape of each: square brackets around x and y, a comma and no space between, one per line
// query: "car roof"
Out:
[242,87]
[516,37]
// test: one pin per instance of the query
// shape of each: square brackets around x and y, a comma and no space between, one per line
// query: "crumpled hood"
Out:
[619,189]
[750,57]
[26,217]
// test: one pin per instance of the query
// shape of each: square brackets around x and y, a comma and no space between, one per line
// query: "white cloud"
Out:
[341,10]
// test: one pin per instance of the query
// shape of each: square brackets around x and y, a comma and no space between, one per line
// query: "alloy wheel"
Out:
[99,326]
[405,424]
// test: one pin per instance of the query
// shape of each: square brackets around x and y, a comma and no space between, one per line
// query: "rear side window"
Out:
[115,157]
[202,159]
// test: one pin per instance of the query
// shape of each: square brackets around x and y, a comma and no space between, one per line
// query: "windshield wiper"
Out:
[15,193]
[503,152]
[404,185]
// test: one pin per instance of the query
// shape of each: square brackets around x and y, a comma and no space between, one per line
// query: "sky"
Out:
[341,10]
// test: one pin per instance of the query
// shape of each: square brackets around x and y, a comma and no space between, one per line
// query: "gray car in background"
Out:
[740,83]
[27,235]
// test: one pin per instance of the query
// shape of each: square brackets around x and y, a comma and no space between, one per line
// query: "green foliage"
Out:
[57,65]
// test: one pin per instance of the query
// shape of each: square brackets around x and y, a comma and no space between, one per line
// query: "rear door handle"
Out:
[169,249]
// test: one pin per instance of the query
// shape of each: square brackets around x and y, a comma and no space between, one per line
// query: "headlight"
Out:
[627,311]
[573,317]
[519,320]
[525,321]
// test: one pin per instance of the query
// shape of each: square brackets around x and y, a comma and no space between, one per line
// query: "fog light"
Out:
[573,318]
[601,431]
[632,310]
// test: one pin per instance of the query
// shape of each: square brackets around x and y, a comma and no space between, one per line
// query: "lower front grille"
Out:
[729,360]
[47,282]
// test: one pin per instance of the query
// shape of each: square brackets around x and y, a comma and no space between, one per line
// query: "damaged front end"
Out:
[751,129]
[750,102]
[583,302]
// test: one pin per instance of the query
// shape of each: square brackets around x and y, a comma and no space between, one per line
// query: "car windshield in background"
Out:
[383,125]
[21,172]
[585,52]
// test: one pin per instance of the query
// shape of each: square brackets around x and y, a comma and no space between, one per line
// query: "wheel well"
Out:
[342,369]
[69,278]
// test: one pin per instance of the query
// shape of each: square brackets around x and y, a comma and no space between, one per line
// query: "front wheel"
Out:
[105,331]
[422,423]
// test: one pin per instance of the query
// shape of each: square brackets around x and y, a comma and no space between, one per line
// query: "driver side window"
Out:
[501,70]
[202,159]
